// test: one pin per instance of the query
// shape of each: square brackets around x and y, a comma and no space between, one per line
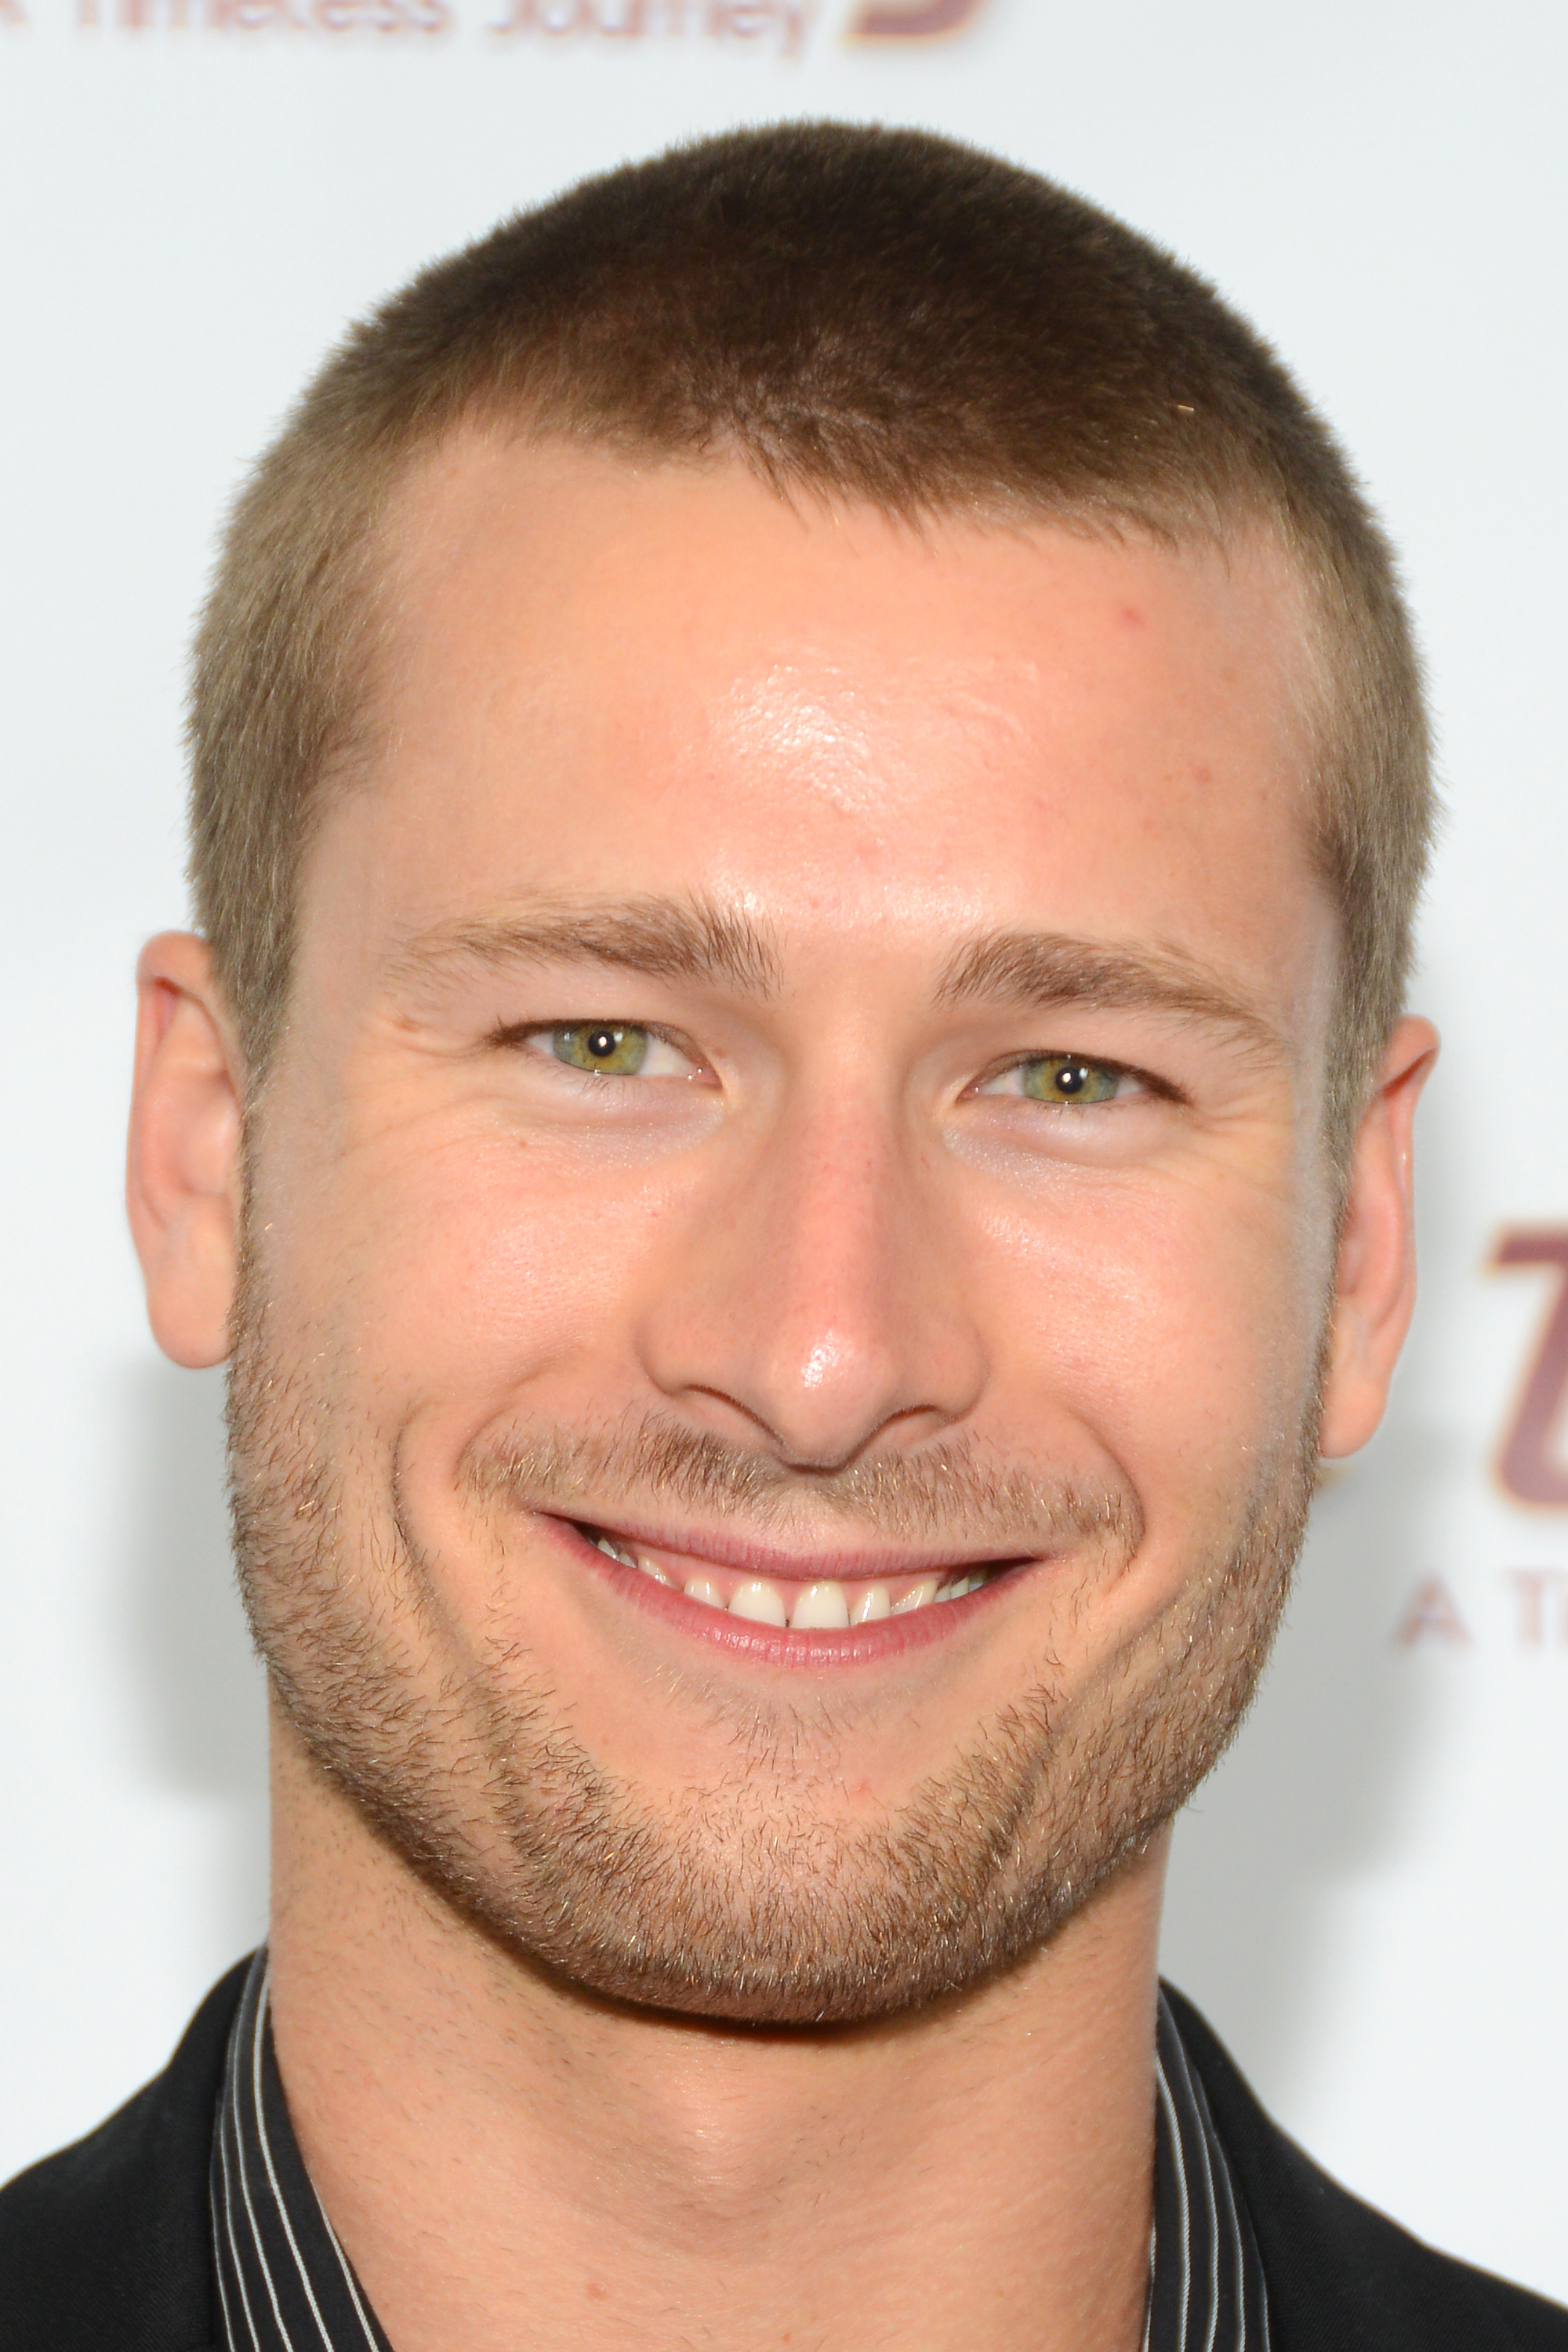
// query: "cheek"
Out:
[459,1267]
[1177,1324]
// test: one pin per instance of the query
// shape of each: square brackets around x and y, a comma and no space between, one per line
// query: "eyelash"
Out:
[518,1032]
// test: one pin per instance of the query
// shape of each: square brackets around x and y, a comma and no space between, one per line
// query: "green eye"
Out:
[1067,1078]
[610,1052]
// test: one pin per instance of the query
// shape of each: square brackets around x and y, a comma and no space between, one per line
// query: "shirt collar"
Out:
[285,2283]
[1207,2289]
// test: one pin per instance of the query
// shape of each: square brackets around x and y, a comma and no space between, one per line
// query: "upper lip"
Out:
[802,1567]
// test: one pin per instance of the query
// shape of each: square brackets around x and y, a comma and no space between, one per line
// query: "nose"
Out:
[815,1303]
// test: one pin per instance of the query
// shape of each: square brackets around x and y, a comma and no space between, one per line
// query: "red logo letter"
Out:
[911,20]
[1431,1612]
[1531,1586]
[1526,1464]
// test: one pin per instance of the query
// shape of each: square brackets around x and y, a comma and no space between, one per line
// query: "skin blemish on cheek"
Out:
[1129,616]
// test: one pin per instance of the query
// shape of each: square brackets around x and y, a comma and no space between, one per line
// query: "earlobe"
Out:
[1376,1286]
[183,1174]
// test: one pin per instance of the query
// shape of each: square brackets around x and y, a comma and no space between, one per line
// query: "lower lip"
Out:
[877,1644]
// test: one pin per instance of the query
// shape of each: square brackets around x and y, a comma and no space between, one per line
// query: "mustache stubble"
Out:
[947,1493]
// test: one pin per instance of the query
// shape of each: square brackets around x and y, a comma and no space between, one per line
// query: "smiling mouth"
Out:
[800,1604]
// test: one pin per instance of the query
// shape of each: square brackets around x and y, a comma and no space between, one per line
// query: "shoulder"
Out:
[107,2242]
[1342,2276]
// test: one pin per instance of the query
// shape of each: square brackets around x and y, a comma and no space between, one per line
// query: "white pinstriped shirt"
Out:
[285,2283]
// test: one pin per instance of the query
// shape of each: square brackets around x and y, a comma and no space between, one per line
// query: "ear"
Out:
[184,1175]
[1375,1290]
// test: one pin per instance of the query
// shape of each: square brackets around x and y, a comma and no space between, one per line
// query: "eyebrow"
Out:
[671,939]
[667,939]
[1050,969]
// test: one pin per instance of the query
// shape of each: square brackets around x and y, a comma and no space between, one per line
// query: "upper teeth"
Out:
[825,1606]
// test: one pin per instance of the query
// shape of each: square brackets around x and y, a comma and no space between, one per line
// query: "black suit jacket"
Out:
[105,2247]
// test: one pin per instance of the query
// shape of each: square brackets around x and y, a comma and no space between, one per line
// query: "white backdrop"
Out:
[1370,1897]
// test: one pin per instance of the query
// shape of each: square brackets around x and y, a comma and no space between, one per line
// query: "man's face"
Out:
[802,1089]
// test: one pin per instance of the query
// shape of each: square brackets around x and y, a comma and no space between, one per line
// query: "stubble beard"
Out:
[749,1898]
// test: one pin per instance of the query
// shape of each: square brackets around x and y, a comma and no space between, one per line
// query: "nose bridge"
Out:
[837,1210]
[822,1298]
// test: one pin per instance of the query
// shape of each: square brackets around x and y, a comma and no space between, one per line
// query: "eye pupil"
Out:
[602,1043]
[1072,1078]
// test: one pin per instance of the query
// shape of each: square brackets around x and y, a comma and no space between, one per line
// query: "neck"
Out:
[508,2160]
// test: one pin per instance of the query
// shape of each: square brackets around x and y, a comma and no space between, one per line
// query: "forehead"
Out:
[605,676]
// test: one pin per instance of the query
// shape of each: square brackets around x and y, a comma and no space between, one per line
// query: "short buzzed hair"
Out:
[853,313]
